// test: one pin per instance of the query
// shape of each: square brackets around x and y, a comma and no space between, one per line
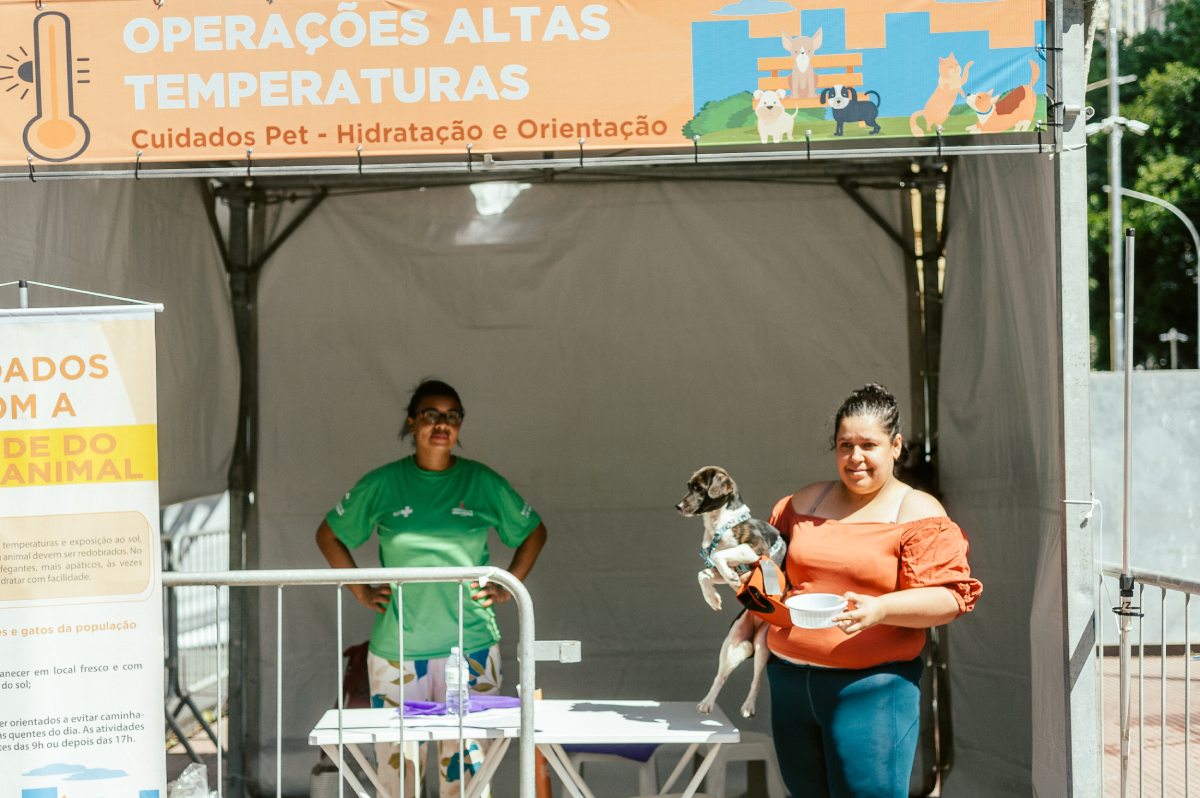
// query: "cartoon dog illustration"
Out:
[773,121]
[951,80]
[846,107]
[1014,111]
[804,76]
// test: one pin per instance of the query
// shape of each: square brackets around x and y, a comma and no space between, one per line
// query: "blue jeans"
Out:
[845,733]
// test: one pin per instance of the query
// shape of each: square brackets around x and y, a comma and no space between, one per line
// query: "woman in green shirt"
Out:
[432,508]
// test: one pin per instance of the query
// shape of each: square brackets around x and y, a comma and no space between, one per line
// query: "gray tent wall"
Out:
[1001,473]
[607,340]
[146,240]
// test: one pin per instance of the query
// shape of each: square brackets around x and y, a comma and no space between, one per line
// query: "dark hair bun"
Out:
[875,394]
[870,400]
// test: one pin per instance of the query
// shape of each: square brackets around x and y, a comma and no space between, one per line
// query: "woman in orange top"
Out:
[845,699]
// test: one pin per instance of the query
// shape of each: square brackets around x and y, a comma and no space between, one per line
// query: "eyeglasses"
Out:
[430,416]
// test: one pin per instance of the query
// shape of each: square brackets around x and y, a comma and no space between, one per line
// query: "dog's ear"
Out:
[787,42]
[757,93]
[782,93]
[719,485]
[853,94]
[824,95]
[816,40]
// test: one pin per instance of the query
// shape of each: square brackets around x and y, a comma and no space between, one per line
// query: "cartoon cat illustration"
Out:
[1013,111]
[804,76]
[949,86]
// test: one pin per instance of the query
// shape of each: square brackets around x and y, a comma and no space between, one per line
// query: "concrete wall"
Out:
[1165,517]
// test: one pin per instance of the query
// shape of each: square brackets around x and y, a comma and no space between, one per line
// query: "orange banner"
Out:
[120,80]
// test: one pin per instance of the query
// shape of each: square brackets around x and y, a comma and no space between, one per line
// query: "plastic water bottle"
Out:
[458,701]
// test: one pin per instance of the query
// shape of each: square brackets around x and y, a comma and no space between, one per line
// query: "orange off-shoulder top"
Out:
[827,556]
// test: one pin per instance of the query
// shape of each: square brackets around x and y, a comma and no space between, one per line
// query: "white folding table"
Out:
[557,722]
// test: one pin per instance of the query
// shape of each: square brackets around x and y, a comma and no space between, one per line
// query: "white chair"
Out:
[754,747]
[647,771]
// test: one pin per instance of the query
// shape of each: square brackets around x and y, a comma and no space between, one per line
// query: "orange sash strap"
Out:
[763,593]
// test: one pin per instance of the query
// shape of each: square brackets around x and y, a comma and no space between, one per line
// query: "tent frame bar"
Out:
[850,188]
[318,170]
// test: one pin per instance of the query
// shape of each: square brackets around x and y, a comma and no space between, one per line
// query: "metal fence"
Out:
[217,583]
[197,628]
[1152,753]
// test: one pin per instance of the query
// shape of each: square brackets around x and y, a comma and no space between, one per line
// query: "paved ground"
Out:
[1157,766]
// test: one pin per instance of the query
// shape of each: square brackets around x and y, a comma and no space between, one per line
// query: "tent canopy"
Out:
[609,334]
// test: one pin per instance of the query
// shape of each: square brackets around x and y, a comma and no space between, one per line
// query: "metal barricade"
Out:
[1161,717]
[217,582]
[196,634]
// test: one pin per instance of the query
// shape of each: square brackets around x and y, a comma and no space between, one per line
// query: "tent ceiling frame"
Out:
[887,172]
[488,165]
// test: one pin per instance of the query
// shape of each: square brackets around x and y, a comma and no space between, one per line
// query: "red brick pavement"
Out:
[1157,762]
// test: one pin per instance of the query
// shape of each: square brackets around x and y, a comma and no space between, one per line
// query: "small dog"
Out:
[803,81]
[731,538]
[846,107]
[773,121]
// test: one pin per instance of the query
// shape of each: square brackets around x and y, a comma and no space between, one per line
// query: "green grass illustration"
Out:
[732,121]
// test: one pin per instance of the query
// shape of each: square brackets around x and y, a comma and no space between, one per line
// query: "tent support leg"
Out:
[243,516]
[923,283]
[924,214]
[1076,658]
[244,251]
[918,420]
[930,184]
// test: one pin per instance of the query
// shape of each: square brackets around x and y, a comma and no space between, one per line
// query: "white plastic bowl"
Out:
[814,610]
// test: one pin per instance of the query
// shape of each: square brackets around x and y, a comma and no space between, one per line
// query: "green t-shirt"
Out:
[429,519]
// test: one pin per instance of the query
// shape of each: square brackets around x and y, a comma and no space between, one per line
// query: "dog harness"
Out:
[726,521]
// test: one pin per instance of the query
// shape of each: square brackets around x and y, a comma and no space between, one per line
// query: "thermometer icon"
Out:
[55,133]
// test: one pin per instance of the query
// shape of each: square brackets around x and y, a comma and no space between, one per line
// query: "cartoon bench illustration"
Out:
[780,68]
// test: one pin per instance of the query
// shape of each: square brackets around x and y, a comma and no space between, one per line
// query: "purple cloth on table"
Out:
[479,703]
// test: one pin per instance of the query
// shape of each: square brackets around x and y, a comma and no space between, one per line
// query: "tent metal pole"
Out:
[1116,292]
[210,212]
[1126,611]
[1071,766]
[931,247]
[916,338]
[244,204]
[245,252]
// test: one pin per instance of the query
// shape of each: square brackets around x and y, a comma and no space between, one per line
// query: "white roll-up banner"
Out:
[81,654]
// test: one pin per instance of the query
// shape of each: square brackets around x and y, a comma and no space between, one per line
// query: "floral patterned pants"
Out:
[425,680]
